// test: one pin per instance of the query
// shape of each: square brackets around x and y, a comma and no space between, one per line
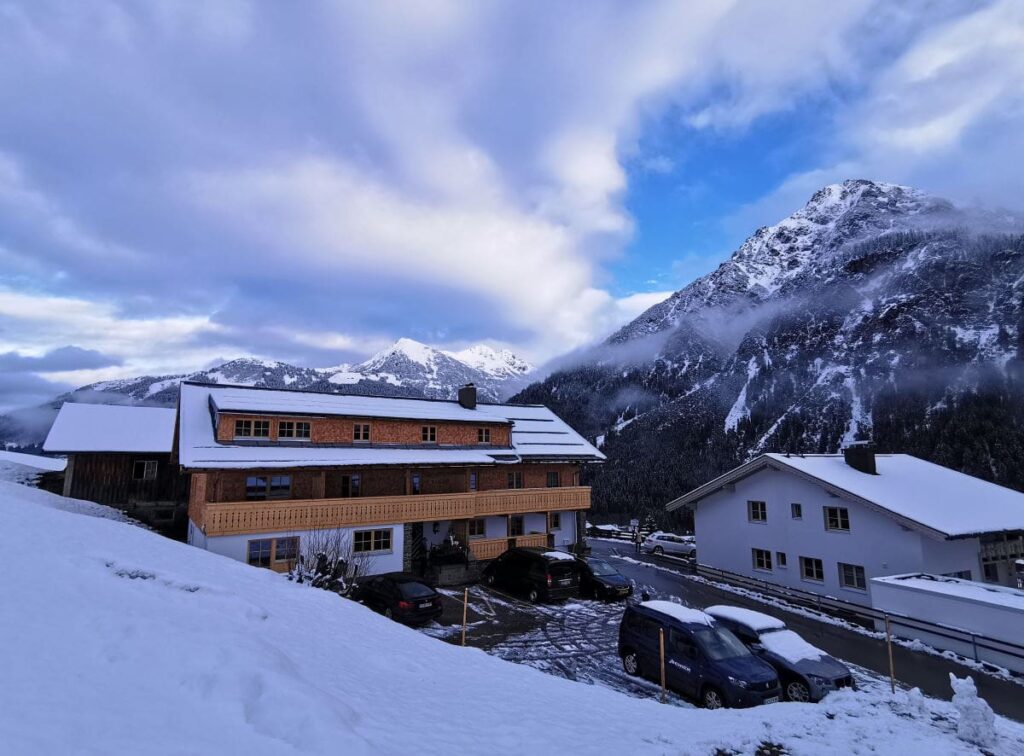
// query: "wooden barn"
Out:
[125,457]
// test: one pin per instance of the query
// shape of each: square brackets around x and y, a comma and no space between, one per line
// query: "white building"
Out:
[830,523]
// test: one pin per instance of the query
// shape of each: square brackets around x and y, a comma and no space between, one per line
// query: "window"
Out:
[515,525]
[243,428]
[812,569]
[415,483]
[757,511]
[259,487]
[429,434]
[291,429]
[990,572]
[797,511]
[852,576]
[261,428]
[554,480]
[780,558]
[555,521]
[259,552]
[472,481]
[837,518]
[286,549]
[477,528]
[762,559]
[144,469]
[515,479]
[361,432]
[350,485]
[368,541]
[483,435]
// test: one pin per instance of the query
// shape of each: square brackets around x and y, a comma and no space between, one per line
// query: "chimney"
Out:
[467,396]
[861,456]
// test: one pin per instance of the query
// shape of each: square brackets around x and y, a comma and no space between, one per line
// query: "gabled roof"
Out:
[921,495]
[537,433]
[111,428]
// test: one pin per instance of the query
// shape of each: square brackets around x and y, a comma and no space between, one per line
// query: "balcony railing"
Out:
[492,548]
[227,518]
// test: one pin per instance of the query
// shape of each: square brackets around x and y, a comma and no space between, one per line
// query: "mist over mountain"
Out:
[407,368]
[875,311]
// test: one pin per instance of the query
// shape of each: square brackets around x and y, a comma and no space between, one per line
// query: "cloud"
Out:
[56,360]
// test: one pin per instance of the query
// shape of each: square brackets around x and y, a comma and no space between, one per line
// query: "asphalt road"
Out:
[913,668]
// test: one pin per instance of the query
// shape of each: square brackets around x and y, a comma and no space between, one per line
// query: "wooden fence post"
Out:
[661,643]
[892,666]
[465,607]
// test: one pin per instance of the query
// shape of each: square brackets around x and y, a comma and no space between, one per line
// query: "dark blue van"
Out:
[703,660]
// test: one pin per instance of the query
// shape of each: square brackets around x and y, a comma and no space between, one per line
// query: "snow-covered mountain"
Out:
[407,368]
[875,311]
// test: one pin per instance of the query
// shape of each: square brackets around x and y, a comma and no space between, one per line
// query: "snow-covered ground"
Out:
[16,467]
[117,640]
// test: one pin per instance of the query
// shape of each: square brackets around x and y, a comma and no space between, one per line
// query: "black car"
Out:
[602,581]
[538,574]
[400,596]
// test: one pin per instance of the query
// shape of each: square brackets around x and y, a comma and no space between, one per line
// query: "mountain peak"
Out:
[497,362]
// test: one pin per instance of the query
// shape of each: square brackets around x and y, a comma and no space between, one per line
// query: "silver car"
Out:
[669,543]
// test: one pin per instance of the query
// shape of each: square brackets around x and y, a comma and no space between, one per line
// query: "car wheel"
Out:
[533,596]
[658,551]
[489,579]
[712,698]
[388,613]
[798,691]
[631,663]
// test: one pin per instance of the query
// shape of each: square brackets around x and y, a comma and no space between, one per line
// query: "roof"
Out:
[50,464]
[679,612]
[537,433]
[111,428]
[756,621]
[997,595]
[921,495]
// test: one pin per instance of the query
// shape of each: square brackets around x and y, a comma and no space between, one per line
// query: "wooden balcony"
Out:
[492,548]
[228,518]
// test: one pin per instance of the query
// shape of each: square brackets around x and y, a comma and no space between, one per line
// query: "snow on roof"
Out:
[537,433]
[790,646]
[756,621]
[679,612]
[935,496]
[111,428]
[33,460]
[997,595]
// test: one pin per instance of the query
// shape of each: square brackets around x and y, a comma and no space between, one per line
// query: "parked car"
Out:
[539,574]
[703,660]
[669,543]
[807,672]
[400,596]
[601,581]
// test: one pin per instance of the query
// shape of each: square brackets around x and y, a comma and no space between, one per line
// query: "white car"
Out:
[669,543]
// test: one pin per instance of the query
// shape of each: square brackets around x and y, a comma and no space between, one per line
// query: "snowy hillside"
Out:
[121,641]
[875,311]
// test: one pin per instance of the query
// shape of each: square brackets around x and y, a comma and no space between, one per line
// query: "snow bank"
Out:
[131,643]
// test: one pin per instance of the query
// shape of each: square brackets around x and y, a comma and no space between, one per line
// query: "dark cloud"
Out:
[27,390]
[56,361]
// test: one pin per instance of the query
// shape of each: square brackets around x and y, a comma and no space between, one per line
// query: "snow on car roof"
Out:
[561,555]
[790,646]
[679,612]
[998,595]
[199,448]
[111,428]
[756,621]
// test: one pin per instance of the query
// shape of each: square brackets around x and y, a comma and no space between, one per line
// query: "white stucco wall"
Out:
[534,523]
[566,534]
[236,546]
[875,541]
[495,527]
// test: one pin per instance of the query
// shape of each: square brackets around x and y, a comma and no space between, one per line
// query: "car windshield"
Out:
[415,590]
[718,643]
[601,568]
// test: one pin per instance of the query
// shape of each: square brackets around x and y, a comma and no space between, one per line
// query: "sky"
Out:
[183,183]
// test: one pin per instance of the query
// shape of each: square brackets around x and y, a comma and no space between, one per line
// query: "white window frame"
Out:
[374,533]
[149,469]
[428,434]
[483,435]
[813,561]
[842,513]
[761,507]
[761,559]
[853,569]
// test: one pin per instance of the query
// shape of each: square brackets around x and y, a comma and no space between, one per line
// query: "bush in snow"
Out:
[977,721]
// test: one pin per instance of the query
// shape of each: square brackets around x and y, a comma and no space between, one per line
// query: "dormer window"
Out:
[252,429]
[483,435]
[299,431]
[429,434]
[361,432]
